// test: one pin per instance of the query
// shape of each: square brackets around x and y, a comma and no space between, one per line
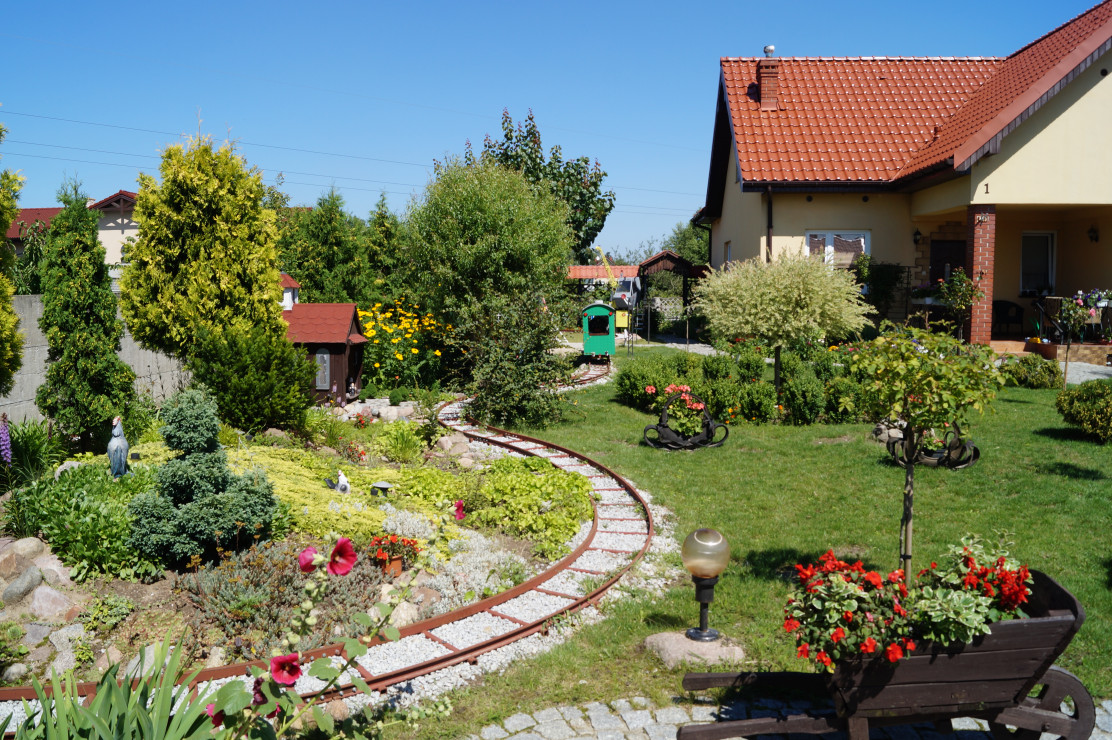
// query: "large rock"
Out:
[18,589]
[64,638]
[675,649]
[14,673]
[67,465]
[28,547]
[47,603]
[36,632]
[216,657]
[405,614]
[53,570]
[12,564]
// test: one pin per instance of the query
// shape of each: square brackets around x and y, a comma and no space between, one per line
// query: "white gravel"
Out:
[600,562]
[532,606]
[393,656]
[473,630]
[621,542]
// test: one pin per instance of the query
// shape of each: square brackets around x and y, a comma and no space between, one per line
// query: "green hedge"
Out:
[1089,406]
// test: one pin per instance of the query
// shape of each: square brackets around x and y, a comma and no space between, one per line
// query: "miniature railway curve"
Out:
[620,534]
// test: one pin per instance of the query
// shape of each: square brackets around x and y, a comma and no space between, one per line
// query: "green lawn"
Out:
[783,495]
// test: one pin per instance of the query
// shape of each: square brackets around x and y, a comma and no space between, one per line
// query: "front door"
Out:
[946,256]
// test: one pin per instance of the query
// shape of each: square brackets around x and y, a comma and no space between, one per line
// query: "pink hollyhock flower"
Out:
[285,669]
[343,558]
[459,510]
[217,717]
[305,559]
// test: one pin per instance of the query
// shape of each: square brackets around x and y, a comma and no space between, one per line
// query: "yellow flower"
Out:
[376,341]
[398,355]
[437,353]
[414,350]
[376,364]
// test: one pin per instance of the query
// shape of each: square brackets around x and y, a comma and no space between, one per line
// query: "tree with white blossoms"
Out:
[795,297]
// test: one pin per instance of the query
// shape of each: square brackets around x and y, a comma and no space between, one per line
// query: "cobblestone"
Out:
[638,719]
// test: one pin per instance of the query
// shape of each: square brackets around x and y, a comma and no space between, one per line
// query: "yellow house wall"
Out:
[949,196]
[886,216]
[1057,156]
[742,222]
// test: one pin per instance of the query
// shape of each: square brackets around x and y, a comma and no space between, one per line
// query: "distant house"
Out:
[331,334]
[115,222]
[1001,166]
[290,289]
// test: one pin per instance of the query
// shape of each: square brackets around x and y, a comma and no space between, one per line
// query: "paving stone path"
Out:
[639,719]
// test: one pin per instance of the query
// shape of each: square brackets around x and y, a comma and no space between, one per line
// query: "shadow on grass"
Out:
[1013,400]
[1069,470]
[1063,434]
[665,621]
[1108,567]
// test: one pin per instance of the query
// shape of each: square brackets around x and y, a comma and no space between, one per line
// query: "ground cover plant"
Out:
[1041,481]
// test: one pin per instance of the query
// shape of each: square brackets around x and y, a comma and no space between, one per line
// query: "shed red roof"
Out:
[598,272]
[878,119]
[288,282]
[30,216]
[323,323]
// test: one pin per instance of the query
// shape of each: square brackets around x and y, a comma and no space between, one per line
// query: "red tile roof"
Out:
[323,323]
[596,272]
[29,216]
[122,196]
[877,119]
[843,119]
[1026,80]
[288,282]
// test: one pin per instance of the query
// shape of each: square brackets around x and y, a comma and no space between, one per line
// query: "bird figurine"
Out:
[341,483]
[117,449]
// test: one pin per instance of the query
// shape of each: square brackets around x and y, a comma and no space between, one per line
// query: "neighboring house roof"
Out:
[874,120]
[598,272]
[124,198]
[30,216]
[323,323]
[288,282]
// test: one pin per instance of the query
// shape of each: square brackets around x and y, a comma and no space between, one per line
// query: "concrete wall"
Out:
[156,373]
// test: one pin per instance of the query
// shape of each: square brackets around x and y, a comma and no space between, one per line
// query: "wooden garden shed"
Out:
[331,334]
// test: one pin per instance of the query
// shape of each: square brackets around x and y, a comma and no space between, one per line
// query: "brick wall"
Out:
[980,256]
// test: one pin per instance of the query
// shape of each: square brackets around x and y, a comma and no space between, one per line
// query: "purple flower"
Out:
[5,440]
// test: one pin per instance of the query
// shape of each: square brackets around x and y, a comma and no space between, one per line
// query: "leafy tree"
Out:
[26,275]
[11,341]
[257,379]
[206,254]
[924,381]
[689,242]
[576,182]
[86,381]
[795,298]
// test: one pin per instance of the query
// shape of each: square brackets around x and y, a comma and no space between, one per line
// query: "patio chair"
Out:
[1004,314]
[1049,308]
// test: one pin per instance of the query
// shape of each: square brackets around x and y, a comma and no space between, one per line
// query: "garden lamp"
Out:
[705,554]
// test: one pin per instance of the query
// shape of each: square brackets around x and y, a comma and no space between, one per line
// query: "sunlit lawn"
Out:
[784,495]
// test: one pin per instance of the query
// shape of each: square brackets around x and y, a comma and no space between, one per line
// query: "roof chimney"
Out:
[768,79]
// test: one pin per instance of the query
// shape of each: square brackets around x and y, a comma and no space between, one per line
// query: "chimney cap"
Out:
[769,50]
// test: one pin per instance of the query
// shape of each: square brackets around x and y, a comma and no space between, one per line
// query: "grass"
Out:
[784,495]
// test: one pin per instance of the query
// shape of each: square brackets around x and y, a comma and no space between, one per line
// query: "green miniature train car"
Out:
[598,331]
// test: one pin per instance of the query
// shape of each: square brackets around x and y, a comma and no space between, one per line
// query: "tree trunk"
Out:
[911,449]
[1066,371]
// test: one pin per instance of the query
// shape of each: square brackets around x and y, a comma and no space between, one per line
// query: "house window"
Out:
[838,248]
[1036,276]
[323,360]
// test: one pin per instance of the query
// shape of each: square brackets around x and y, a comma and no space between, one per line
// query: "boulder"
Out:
[405,614]
[14,673]
[459,448]
[675,649]
[109,657]
[36,632]
[64,638]
[67,465]
[12,564]
[466,463]
[47,603]
[272,432]
[28,547]
[426,596]
[338,710]
[390,413]
[54,571]
[25,583]
[215,658]
[445,443]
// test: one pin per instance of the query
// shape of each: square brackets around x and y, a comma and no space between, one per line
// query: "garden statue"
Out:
[341,483]
[117,449]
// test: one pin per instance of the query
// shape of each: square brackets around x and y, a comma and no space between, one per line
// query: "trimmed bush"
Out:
[199,508]
[258,379]
[1033,371]
[843,402]
[1089,406]
[719,367]
[635,375]
[803,396]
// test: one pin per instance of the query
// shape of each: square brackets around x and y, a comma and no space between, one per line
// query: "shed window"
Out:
[838,248]
[323,361]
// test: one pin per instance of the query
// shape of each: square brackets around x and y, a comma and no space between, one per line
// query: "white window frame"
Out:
[324,366]
[828,239]
[1052,262]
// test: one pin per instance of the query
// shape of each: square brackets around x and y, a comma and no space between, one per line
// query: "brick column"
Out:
[980,259]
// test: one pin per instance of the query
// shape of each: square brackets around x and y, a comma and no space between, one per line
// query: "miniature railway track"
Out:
[619,536]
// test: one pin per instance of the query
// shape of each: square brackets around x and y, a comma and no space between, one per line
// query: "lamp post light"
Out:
[705,554]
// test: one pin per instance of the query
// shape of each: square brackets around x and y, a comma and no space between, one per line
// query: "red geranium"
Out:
[893,652]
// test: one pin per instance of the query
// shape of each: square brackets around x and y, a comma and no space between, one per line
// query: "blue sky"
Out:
[364,96]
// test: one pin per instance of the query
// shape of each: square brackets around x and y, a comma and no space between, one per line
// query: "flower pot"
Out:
[662,436]
[392,568]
